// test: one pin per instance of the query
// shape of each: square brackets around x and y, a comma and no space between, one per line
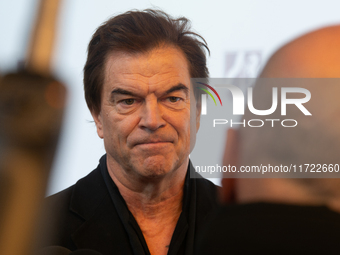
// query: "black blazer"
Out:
[83,216]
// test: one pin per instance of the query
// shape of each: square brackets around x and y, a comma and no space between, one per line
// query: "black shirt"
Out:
[93,215]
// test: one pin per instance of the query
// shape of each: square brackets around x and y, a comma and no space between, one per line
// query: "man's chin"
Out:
[156,167]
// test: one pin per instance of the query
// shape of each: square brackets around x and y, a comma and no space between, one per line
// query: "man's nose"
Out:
[152,115]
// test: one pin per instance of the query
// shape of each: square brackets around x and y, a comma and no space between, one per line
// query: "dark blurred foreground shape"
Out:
[286,215]
[31,111]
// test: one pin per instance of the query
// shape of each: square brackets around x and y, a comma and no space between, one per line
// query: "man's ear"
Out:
[230,157]
[98,120]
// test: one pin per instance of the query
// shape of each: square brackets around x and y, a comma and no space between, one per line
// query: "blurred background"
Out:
[241,35]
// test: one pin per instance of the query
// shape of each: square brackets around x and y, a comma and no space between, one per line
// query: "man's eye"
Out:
[129,101]
[173,99]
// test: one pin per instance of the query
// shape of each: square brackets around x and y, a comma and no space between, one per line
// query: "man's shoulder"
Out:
[68,209]
[207,187]
[81,196]
[203,182]
[204,186]
[82,186]
[58,199]
[206,196]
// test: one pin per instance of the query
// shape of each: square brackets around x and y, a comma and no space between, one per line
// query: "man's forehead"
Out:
[147,59]
[162,68]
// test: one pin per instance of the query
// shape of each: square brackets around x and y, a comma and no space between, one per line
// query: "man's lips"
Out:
[153,143]
[154,140]
[154,147]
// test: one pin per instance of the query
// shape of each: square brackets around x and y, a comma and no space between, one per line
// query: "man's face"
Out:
[145,112]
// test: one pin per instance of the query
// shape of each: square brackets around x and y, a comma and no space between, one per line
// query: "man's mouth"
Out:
[153,143]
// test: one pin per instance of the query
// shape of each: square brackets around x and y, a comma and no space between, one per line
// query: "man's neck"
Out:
[150,195]
[156,205]
[156,199]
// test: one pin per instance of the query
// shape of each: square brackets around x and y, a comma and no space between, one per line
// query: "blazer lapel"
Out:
[101,229]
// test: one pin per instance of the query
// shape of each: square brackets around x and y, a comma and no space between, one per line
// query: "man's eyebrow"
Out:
[180,86]
[121,91]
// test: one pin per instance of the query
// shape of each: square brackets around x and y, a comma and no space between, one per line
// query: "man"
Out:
[140,199]
[286,215]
